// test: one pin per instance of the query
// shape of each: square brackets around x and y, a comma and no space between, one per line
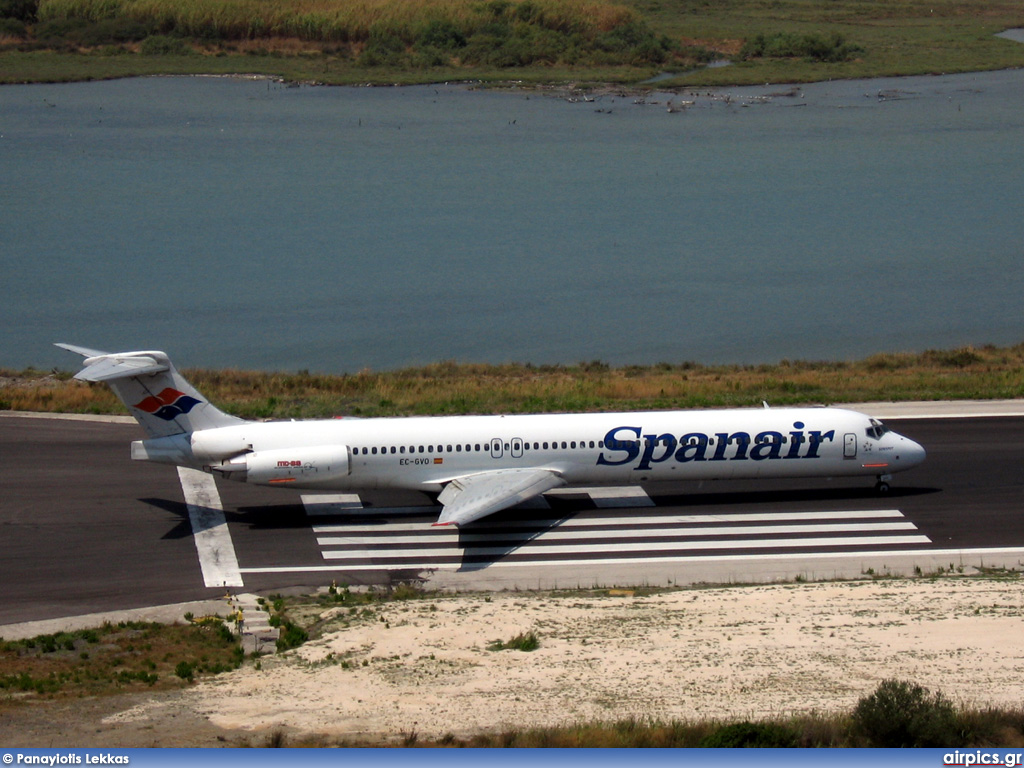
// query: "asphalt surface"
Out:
[83,529]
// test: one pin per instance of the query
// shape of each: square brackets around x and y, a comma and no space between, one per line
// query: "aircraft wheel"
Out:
[882,488]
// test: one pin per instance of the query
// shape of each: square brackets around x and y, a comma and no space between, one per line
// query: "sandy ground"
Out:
[733,652]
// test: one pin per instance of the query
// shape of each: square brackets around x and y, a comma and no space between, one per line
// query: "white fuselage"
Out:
[582,449]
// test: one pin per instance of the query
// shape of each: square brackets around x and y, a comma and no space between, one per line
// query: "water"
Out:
[242,223]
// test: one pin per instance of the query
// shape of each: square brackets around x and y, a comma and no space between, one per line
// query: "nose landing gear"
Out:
[882,486]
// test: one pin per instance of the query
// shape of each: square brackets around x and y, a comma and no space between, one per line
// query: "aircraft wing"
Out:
[469,498]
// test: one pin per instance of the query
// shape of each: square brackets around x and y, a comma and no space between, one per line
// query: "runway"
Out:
[84,529]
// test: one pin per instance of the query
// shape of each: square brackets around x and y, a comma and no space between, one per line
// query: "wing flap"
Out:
[469,498]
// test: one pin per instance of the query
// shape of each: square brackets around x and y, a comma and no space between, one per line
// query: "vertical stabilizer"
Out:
[153,391]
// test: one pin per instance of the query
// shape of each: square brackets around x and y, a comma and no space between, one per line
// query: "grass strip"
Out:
[450,388]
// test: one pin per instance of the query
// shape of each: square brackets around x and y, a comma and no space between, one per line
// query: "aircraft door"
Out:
[849,446]
[496,449]
[517,447]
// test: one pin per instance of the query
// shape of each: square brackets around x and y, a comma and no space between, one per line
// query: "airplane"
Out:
[479,465]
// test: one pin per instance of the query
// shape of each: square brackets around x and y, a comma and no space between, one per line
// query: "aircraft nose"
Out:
[910,453]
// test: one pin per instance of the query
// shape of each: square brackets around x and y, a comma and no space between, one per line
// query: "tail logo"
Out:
[168,405]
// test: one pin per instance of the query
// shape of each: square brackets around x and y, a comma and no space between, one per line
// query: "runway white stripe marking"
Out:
[210,529]
[597,522]
[1019,551]
[378,542]
[657,546]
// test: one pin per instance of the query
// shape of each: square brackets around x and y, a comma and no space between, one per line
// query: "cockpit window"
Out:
[877,429]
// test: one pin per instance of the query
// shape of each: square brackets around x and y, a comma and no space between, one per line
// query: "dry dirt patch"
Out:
[423,665]
[738,652]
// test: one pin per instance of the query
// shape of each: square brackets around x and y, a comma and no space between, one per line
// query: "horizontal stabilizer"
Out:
[152,390]
[105,366]
[83,351]
[469,498]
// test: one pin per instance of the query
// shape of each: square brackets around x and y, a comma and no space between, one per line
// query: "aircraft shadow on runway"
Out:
[488,541]
[183,528]
[274,516]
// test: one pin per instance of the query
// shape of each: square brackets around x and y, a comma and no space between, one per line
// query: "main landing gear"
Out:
[882,486]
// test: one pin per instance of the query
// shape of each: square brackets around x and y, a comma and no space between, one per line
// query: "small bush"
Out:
[10,28]
[524,641]
[903,714]
[292,636]
[442,35]
[952,358]
[831,48]
[185,671]
[22,10]
[162,45]
[747,734]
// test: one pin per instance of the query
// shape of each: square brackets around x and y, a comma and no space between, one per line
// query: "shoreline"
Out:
[660,83]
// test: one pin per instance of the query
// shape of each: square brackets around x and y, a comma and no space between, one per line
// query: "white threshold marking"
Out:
[554,534]
[1019,551]
[210,529]
[657,546]
[599,522]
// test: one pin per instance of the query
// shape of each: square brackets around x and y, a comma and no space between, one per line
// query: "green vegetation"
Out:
[747,734]
[788,45]
[911,37]
[451,388]
[415,41]
[524,641]
[954,727]
[904,714]
[366,40]
[114,659]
